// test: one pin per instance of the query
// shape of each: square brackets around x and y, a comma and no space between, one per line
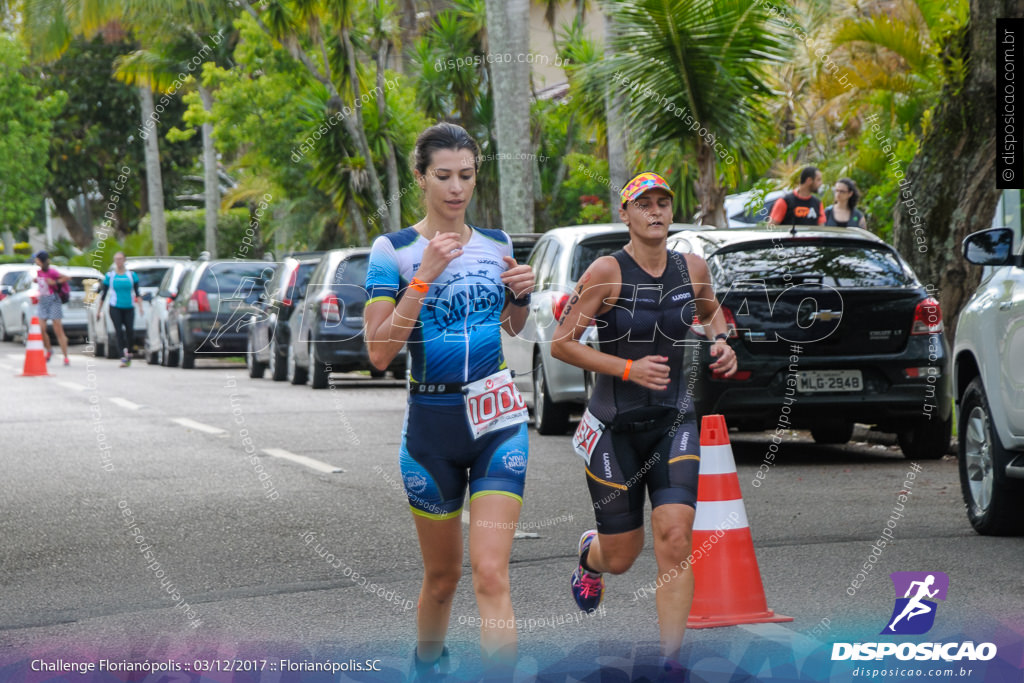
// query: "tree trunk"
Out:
[407,26]
[79,234]
[211,188]
[709,193]
[391,162]
[950,188]
[618,169]
[154,179]
[508,32]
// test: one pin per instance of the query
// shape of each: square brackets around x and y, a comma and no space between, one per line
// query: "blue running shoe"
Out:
[429,671]
[587,588]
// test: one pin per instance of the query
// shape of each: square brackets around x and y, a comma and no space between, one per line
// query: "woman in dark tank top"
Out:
[639,432]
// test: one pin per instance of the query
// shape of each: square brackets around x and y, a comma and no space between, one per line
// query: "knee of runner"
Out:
[440,585]
[672,543]
[490,577]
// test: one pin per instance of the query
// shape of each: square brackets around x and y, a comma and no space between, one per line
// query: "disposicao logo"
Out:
[914,614]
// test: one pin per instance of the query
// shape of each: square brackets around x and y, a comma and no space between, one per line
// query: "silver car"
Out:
[18,308]
[989,373]
[151,270]
[154,346]
[552,388]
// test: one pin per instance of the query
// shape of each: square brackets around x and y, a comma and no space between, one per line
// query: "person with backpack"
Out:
[123,285]
[53,293]
[800,207]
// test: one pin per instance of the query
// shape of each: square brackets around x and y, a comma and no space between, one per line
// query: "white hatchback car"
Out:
[989,374]
[18,308]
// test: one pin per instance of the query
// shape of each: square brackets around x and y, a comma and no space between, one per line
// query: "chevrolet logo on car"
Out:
[826,315]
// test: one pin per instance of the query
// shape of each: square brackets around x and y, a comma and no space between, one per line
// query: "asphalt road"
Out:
[96,456]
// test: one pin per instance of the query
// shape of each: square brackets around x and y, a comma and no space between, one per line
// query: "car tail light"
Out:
[730,323]
[926,371]
[738,376]
[2,296]
[35,298]
[329,309]
[558,303]
[199,302]
[927,317]
[287,300]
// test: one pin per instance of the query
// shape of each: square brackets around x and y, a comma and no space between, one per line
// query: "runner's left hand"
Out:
[725,366]
[518,278]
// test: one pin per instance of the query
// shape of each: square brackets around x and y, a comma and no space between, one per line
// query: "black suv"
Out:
[328,334]
[269,333]
[214,304]
[830,327]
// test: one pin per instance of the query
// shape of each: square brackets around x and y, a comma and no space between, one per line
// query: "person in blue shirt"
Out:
[446,289]
[123,287]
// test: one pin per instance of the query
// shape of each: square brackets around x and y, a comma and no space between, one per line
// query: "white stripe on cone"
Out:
[720,514]
[716,460]
[35,345]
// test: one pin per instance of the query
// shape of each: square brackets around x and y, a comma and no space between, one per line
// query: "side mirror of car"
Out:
[991,247]
[148,296]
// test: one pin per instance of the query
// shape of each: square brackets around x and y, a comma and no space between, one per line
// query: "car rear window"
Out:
[352,271]
[11,277]
[225,279]
[150,277]
[77,283]
[588,251]
[783,262]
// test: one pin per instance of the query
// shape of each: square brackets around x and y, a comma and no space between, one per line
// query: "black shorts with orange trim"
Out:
[663,459]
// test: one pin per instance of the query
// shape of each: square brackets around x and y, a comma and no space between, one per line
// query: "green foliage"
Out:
[584,194]
[26,123]
[186,232]
[91,143]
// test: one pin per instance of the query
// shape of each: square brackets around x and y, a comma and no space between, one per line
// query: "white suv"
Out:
[989,374]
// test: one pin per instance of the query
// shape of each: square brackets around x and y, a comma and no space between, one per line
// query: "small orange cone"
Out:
[35,352]
[727,582]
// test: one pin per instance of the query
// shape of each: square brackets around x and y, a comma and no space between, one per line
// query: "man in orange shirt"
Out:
[800,207]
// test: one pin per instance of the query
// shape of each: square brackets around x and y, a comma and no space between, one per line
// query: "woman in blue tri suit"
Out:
[446,289]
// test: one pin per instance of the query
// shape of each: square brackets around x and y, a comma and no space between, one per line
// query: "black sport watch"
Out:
[723,336]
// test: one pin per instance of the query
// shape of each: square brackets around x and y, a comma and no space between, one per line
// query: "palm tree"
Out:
[508,33]
[696,72]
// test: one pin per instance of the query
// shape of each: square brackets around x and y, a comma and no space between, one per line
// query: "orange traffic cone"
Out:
[35,353]
[727,582]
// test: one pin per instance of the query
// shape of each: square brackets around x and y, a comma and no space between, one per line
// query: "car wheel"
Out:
[278,363]
[993,499]
[377,374]
[296,375]
[321,371]
[24,332]
[548,417]
[926,440]
[112,351]
[4,335]
[255,367]
[99,350]
[832,432]
[188,357]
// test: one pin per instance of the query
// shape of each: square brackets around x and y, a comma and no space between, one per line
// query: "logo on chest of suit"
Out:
[465,301]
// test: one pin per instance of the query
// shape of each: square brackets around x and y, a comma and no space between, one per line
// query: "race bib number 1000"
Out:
[494,403]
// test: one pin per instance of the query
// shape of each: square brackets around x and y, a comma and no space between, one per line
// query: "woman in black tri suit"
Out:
[640,431]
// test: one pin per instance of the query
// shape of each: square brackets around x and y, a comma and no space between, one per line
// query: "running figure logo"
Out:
[914,613]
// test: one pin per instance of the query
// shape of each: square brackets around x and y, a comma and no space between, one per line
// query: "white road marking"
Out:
[198,426]
[125,403]
[74,386]
[311,463]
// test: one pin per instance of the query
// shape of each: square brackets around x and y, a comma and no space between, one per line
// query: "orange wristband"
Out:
[419,285]
[625,373]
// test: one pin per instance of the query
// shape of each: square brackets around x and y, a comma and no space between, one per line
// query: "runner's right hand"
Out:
[444,247]
[651,372]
